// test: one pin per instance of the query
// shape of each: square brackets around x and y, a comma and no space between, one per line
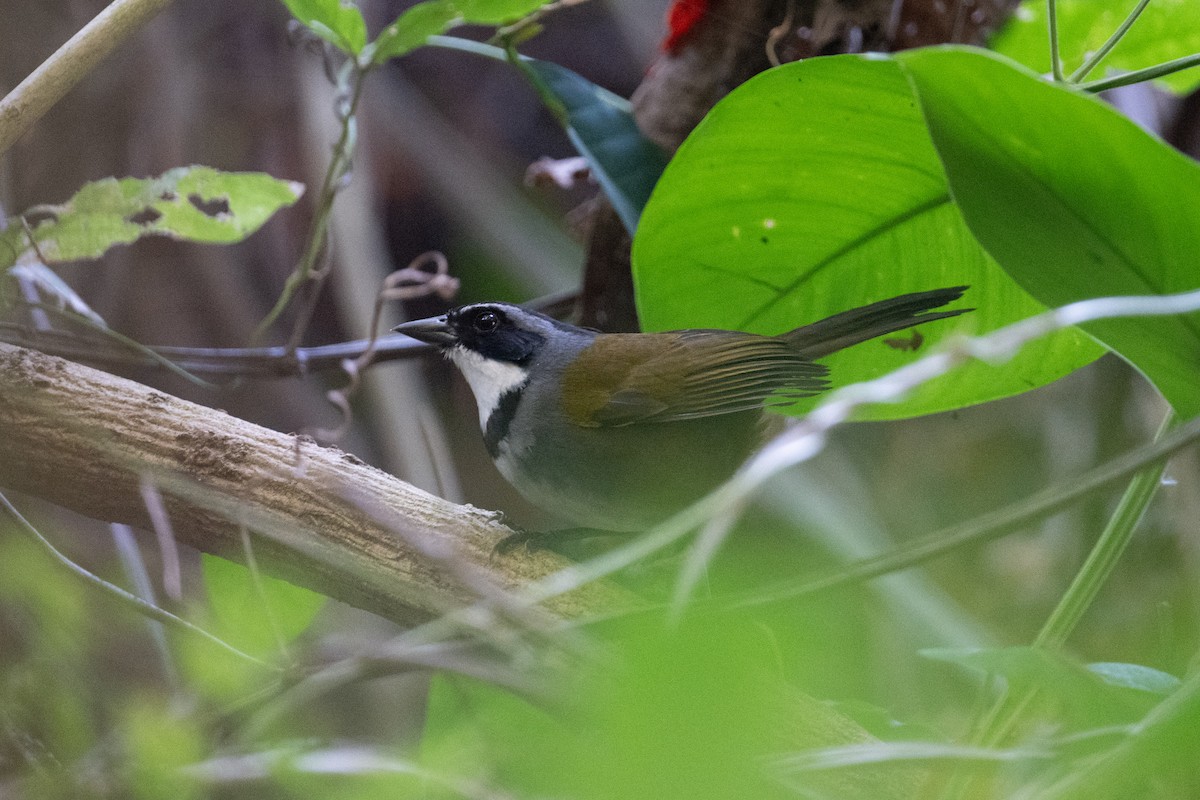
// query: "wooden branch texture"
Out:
[86,440]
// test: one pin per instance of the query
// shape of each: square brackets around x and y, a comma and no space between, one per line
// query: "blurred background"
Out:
[444,142]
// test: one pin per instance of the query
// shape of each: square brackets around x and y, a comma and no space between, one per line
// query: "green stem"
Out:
[120,595]
[467,46]
[1107,551]
[1106,48]
[507,53]
[1142,75]
[548,98]
[1118,771]
[1008,709]
[339,164]
[1055,60]
[988,526]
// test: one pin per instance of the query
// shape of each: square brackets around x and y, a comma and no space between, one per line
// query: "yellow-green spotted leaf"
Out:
[196,204]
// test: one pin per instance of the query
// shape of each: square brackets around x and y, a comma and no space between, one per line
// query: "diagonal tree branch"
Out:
[85,439]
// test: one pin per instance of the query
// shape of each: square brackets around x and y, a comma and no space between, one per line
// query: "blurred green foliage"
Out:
[1165,30]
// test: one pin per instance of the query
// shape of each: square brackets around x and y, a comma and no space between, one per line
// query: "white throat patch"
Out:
[489,379]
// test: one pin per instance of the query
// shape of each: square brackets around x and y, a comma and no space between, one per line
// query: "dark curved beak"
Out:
[433,330]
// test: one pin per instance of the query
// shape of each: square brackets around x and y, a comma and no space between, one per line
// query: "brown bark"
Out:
[321,518]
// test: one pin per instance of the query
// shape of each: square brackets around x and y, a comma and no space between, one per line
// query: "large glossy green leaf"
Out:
[197,204]
[1073,199]
[1166,30]
[814,188]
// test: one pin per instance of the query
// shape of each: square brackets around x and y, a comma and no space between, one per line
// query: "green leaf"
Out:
[600,124]
[413,27]
[338,22]
[156,745]
[812,189]
[196,204]
[1068,691]
[254,621]
[496,12]
[1166,30]
[1071,216]
[1136,676]
[686,711]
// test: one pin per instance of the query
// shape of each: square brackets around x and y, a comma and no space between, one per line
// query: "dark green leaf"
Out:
[1074,200]
[812,189]
[601,126]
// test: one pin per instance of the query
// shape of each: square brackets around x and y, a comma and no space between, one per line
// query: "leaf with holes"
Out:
[196,204]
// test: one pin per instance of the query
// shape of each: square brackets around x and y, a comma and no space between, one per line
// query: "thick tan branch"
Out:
[59,73]
[86,440]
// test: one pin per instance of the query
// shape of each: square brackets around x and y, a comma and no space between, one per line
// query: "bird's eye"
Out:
[485,321]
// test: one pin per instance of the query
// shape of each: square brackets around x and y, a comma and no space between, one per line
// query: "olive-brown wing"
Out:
[625,379]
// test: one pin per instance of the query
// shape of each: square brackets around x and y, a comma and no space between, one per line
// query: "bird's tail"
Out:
[860,324]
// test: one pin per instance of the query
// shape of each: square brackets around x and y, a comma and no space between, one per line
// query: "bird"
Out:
[618,431]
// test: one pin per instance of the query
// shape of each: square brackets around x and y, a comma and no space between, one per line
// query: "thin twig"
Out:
[120,595]
[338,168]
[409,283]
[168,550]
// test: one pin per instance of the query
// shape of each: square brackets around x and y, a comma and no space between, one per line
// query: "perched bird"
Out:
[618,431]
